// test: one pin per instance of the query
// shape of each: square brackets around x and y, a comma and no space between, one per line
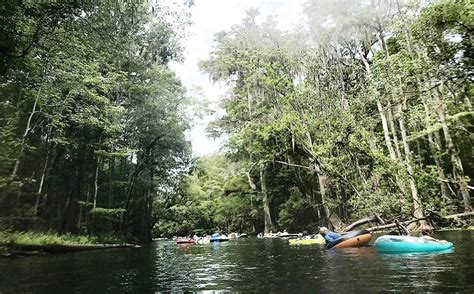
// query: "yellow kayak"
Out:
[318,240]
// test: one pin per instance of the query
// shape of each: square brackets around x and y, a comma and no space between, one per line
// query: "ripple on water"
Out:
[244,265]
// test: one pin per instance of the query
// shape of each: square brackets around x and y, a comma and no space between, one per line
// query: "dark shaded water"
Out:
[251,265]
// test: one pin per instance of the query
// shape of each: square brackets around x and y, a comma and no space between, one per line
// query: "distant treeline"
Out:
[365,108]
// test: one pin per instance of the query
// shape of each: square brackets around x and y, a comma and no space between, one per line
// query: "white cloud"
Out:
[210,17]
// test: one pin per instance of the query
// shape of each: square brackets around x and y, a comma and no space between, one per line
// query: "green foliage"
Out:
[91,115]
[358,117]
[296,214]
[216,198]
[107,214]
[43,238]
[369,112]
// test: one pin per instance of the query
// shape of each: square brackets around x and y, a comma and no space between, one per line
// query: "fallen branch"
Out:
[292,164]
[60,248]
[364,221]
[405,223]
[392,225]
[460,215]
[402,228]
[379,219]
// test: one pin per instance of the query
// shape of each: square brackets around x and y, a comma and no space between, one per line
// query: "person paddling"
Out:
[328,235]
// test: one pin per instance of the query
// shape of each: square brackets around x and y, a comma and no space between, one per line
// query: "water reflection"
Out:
[251,265]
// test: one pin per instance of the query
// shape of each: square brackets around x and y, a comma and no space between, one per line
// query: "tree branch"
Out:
[292,164]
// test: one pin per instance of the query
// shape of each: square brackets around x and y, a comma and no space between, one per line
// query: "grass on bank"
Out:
[43,238]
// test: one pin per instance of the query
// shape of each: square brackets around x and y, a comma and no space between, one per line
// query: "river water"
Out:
[251,265]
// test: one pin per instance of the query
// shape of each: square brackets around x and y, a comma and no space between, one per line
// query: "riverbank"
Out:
[32,243]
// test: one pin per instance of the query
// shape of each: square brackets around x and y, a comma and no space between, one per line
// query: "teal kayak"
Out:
[400,244]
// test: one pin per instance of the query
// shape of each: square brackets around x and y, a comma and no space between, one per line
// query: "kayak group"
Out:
[360,238]
[335,240]
[216,237]
[281,235]
[384,244]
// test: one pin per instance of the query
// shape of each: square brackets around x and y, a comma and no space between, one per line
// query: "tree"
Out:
[94,124]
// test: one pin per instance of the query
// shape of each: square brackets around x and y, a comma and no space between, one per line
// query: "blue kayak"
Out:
[218,238]
[400,244]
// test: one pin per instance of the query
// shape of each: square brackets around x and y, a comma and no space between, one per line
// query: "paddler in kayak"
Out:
[328,235]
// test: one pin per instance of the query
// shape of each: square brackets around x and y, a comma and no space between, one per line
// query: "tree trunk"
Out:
[12,176]
[96,185]
[386,131]
[385,128]
[96,176]
[383,117]
[435,149]
[111,173]
[134,173]
[43,176]
[456,160]
[266,200]
[467,100]
[393,130]
[149,201]
[88,195]
[417,208]
[331,218]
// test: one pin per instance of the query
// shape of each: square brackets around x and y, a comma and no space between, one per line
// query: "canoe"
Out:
[351,239]
[401,244]
[317,240]
[185,241]
[242,236]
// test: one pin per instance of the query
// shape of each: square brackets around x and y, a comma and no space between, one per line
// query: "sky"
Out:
[210,17]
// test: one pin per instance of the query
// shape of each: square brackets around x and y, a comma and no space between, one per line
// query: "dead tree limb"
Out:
[363,221]
[379,219]
[249,177]
[405,223]
[460,215]
[60,248]
[392,225]
[401,228]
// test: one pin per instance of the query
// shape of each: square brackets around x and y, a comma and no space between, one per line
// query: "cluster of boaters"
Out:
[386,243]
[216,237]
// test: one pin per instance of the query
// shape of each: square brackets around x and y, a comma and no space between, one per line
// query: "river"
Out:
[250,265]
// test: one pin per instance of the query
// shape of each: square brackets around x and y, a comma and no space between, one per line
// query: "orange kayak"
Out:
[185,241]
[352,239]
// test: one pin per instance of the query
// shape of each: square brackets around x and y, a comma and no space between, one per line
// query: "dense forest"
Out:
[92,117]
[365,108]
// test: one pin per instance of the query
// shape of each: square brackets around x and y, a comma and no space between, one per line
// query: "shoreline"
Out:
[25,249]
[14,243]
[22,249]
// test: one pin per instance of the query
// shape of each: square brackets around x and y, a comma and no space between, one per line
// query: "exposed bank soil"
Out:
[23,249]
